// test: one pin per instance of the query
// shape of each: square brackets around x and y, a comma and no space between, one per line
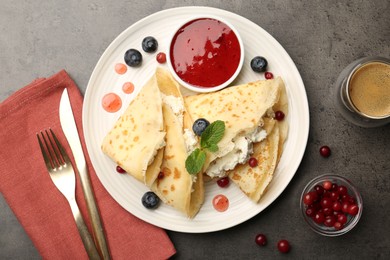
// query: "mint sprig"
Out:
[212,135]
[195,161]
[208,141]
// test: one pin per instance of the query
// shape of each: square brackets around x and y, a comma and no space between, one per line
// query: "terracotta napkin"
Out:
[39,206]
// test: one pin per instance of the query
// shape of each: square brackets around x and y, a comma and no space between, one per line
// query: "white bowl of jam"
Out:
[205,54]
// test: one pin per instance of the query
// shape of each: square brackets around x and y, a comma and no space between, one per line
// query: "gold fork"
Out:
[63,176]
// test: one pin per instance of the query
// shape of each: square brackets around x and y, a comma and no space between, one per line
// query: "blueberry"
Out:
[259,64]
[199,126]
[149,44]
[133,58]
[150,200]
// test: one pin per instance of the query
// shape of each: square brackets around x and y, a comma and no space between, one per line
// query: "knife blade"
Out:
[69,128]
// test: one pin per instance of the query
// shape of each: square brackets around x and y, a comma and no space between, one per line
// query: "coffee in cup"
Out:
[363,92]
[369,89]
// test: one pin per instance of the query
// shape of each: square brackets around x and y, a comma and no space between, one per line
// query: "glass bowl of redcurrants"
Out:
[331,205]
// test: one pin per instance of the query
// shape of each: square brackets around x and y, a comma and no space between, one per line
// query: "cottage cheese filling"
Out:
[190,139]
[238,153]
[176,104]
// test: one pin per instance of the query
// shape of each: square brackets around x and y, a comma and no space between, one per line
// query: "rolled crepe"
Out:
[136,141]
[240,107]
[282,105]
[177,187]
[254,181]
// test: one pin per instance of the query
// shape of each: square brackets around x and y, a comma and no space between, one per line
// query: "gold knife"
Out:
[70,130]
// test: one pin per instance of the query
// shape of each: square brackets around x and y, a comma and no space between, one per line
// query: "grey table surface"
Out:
[39,38]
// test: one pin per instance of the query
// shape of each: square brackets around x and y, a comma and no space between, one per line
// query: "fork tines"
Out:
[52,150]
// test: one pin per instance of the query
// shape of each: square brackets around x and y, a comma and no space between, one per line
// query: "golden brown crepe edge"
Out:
[173,88]
[152,168]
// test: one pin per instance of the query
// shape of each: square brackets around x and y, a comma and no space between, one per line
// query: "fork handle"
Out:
[83,231]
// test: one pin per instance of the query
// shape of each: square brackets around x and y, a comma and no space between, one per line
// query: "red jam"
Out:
[128,87]
[111,102]
[205,52]
[220,203]
[120,68]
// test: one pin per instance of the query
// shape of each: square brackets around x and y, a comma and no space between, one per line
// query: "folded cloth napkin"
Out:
[38,205]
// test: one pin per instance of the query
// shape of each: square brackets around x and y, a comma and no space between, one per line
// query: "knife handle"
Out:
[97,227]
[83,231]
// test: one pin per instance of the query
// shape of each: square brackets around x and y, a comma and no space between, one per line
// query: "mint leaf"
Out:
[195,161]
[208,140]
[212,135]
[213,148]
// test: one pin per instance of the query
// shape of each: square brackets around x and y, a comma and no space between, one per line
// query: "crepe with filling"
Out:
[136,141]
[242,108]
[254,181]
[176,187]
[282,105]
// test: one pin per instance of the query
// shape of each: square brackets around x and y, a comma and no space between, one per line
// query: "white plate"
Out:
[97,122]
